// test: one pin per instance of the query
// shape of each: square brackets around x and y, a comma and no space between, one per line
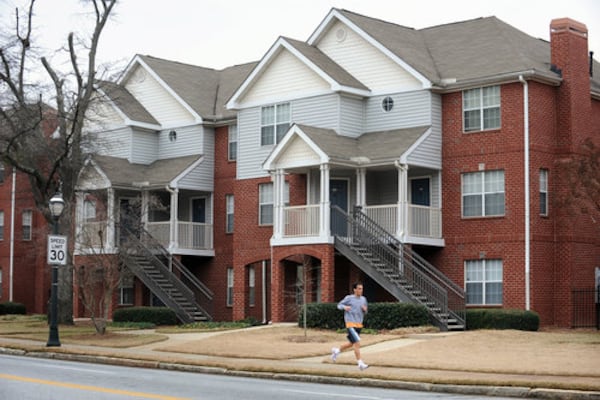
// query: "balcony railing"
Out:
[301,221]
[422,221]
[190,235]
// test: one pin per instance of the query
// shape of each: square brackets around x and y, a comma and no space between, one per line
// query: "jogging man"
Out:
[355,308]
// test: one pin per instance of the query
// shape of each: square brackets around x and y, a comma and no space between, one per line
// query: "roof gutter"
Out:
[452,85]
[526,190]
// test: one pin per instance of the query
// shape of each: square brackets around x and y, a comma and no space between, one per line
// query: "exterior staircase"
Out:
[166,277]
[398,269]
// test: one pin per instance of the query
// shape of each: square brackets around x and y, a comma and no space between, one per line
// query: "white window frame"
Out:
[279,123]
[126,289]
[483,280]
[483,192]
[229,213]
[27,224]
[230,281]
[483,100]
[544,192]
[89,210]
[232,143]
[265,204]
[251,286]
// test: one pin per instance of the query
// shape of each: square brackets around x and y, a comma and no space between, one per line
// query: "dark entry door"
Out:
[419,189]
[198,217]
[420,217]
[338,196]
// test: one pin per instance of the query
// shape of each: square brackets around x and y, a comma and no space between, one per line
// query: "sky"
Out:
[221,33]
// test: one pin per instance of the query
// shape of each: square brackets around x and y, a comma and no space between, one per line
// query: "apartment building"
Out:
[425,163]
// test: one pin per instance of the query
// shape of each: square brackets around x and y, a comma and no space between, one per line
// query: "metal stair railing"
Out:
[133,247]
[202,294]
[422,282]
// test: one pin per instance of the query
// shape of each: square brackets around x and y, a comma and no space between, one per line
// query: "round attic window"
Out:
[172,136]
[387,104]
[340,34]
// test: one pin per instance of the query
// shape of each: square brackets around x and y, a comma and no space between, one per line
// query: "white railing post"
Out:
[111,237]
[325,229]
[402,225]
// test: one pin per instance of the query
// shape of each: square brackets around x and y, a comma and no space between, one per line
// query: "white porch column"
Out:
[361,187]
[325,204]
[79,219]
[174,228]
[402,229]
[278,188]
[145,208]
[110,237]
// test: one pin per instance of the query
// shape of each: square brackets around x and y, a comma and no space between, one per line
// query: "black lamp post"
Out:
[56,206]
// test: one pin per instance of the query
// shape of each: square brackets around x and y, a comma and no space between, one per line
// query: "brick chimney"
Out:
[569,55]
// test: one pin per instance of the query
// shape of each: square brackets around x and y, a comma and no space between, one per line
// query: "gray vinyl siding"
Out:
[429,152]
[321,111]
[189,142]
[352,116]
[382,187]
[410,109]
[115,143]
[144,149]
[202,177]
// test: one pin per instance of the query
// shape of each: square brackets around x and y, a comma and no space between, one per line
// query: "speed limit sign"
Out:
[57,250]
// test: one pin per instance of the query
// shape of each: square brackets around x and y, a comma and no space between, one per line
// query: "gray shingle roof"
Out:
[375,146]
[128,104]
[205,90]
[327,65]
[122,173]
[466,51]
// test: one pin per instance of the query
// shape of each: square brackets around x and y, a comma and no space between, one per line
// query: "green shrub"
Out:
[380,316]
[497,318]
[153,315]
[10,307]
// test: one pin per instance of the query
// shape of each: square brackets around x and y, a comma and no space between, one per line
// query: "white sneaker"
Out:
[362,366]
[334,353]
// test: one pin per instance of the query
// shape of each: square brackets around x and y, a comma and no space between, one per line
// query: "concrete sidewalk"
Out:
[313,369]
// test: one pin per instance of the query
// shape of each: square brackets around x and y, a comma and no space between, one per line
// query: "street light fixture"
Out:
[56,206]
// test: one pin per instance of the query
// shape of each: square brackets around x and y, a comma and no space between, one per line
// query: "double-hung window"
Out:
[481,109]
[483,282]
[1,225]
[126,293]
[229,213]
[232,142]
[265,202]
[251,286]
[274,123]
[544,192]
[483,194]
[27,221]
[89,210]
[229,299]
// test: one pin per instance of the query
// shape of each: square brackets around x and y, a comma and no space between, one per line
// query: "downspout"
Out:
[12,235]
[264,291]
[526,191]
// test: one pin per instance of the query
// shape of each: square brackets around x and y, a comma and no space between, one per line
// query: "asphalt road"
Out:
[25,378]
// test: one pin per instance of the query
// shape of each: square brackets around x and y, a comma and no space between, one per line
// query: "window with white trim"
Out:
[481,109]
[265,202]
[126,293]
[274,123]
[544,192]
[2,170]
[229,287]
[1,225]
[483,282]
[27,218]
[483,193]
[251,286]
[89,210]
[229,213]
[232,141]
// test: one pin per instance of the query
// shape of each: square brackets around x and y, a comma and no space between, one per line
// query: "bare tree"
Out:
[41,126]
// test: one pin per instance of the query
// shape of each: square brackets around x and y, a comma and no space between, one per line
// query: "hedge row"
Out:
[154,315]
[10,307]
[380,316]
[502,319]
